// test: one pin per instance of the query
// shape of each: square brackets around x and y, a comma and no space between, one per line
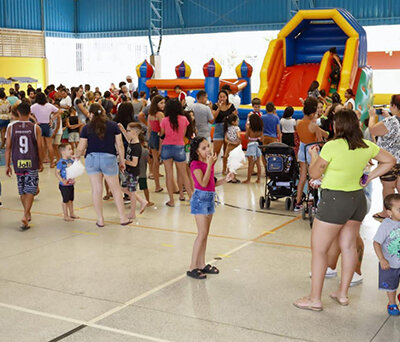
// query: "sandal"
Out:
[126,223]
[393,310]
[159,190]
[306,304]
[341,301]
[182,199]
[99,225]
[169,204]
[24,227]
[378,216]
[210,269]
[196,274]
[107,197]
[235,181]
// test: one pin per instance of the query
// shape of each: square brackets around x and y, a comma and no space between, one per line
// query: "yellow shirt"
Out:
[345,166]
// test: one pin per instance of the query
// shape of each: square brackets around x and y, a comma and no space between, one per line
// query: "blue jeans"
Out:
[202,202]
[105,163]
[175,152]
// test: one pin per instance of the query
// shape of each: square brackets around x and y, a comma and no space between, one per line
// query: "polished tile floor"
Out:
[63,281]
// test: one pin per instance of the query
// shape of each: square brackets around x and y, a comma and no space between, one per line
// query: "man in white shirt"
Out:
[131,85]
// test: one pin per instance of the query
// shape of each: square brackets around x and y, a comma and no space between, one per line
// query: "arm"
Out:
[142,118]
[228,177]
[83,109]
[317,165]
[215,112]
[121,151]
[133,162]
[40,147]
[376,129]
[123,131]
[8,152]
[386,162]
[82,145]
[58,175]
[337,59]
[278,132]
[33,118]
[378,251]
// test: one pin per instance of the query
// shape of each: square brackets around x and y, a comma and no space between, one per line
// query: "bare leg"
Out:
[302,182]
[333,254]
[65,211]
[249,169]
[322,236]
[142,201]
[147,195]
[3,137]
[202,222]
[217,146]
[56,153]
[27,201]
[387,189]
[96,182]
[156,169]
[360,253]
[181,167]
[347,242]
[113,183]
[70,206]
[132,196]
[169,175]
[391,297]
[202,256]
[49,145]
[258,163]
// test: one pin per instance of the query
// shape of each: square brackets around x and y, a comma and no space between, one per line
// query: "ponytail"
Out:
[98,122]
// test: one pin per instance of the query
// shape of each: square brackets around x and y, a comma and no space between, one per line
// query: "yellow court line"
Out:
[265,233]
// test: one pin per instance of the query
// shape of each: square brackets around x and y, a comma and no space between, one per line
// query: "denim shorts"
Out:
[253,150]
[219,131]
[4,123]
[154,141]
[202,202]
[175,152]
[98,162]
[46,131]
[301,157]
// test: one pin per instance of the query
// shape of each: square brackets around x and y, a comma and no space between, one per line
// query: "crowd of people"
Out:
[126,137]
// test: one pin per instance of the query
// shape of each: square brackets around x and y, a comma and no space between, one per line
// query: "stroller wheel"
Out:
[288,202]
[262,202]
[293,203]
[268,203]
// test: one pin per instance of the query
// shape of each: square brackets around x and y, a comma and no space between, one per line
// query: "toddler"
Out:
[66,186]
[232,139]
[387,249]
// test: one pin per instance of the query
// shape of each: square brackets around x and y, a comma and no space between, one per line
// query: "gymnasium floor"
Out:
[69,282]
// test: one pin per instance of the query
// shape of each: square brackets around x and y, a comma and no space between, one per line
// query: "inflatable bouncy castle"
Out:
[300,54]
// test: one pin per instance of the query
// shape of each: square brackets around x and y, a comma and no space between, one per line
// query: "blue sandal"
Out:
[393,310]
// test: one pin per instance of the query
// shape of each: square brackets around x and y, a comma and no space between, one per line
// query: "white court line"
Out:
[92,322]
[76,321]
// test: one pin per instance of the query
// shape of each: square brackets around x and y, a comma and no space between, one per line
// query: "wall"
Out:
[24,67]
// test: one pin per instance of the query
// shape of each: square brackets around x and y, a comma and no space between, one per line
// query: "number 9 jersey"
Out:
[24,153]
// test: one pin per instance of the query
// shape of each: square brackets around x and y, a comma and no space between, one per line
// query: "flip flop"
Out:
[182,199]
[378,217]
[341,301]
[126,223]
[159,190]
[24,227]
[307,306]
[169,205]
[99,225]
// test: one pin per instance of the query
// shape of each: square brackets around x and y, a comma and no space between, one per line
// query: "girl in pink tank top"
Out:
[202,203]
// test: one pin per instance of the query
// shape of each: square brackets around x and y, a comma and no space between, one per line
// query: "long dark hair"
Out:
[256,123]
[223,91]
[124,114]
[173,108]
[347,127]
[194,146]
[98,123]
[190,129]
[154,104]
[229,120]
[332,111]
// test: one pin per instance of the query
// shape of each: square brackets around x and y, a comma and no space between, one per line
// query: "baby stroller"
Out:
[282,174]
[310,202]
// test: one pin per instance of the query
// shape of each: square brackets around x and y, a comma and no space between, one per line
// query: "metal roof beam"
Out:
[178,4]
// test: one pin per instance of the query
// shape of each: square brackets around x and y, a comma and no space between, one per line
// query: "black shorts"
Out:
[67,192]
[142,183]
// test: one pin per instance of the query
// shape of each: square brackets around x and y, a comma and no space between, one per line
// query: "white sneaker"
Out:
[330,273]
[356,280]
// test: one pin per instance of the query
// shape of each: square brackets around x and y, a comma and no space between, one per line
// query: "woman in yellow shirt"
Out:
[342,206]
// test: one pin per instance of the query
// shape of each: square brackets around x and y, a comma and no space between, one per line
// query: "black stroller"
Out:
[310,202]
[282,175]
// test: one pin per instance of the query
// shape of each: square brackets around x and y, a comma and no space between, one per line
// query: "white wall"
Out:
[107,60]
